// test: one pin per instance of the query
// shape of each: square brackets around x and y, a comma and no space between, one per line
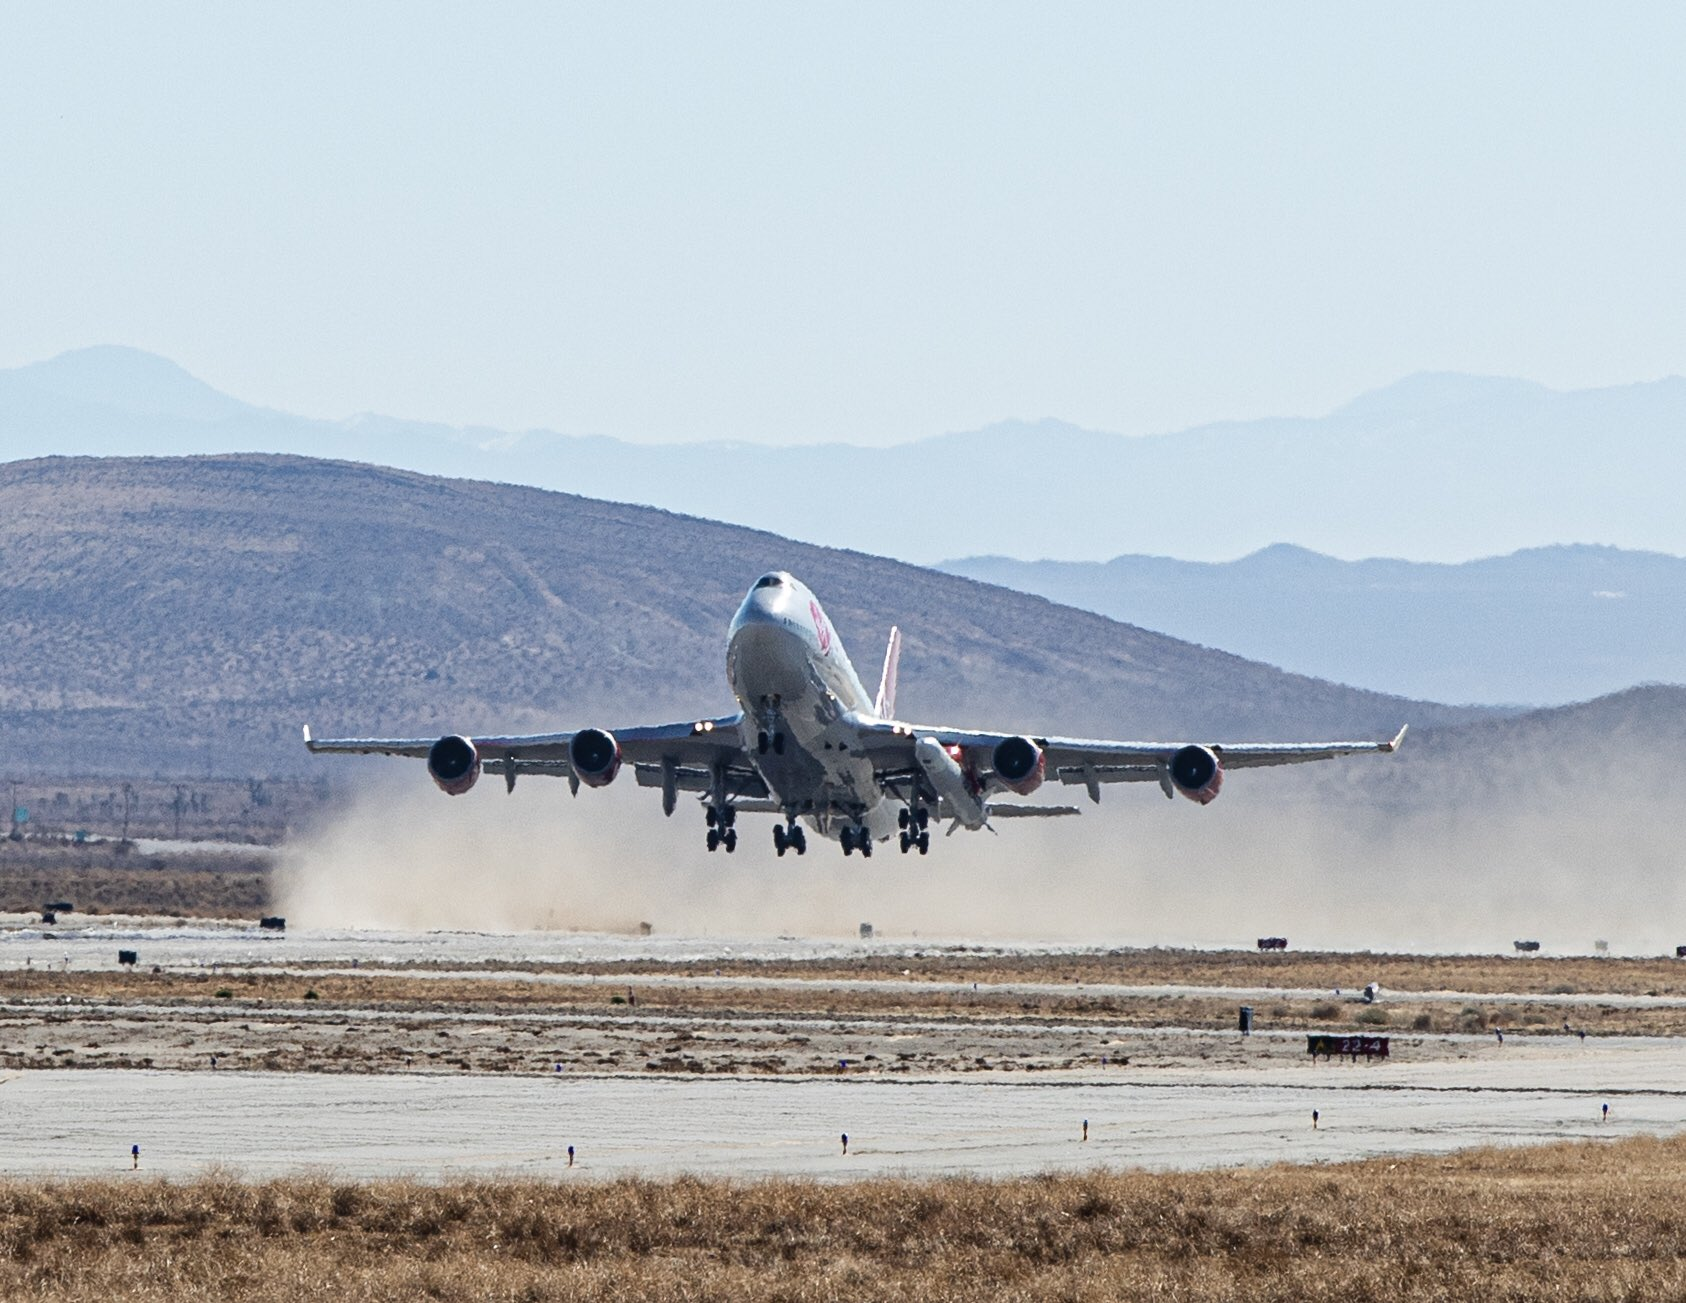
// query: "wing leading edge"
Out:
[1090,762]
[704,755]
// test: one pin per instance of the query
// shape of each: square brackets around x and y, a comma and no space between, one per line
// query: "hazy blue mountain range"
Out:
[1436,467]
[1546,625]
[170,616]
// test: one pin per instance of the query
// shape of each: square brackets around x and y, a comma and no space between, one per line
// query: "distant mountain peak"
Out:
[1430,392]
[130,380]
[1283,556]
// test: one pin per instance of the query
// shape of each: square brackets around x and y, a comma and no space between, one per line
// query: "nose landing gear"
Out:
[770,737]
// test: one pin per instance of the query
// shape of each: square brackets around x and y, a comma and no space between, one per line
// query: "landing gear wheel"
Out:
[906,843]
[847,839]
[780,841]
[731,841]
[903,818]
[713,839]
[728,818]
[924,842]
[924,817]
[797,838]
[778,744]
[865,844]
[762,742]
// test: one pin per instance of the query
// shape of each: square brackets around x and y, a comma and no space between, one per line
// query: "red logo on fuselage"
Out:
[821,628]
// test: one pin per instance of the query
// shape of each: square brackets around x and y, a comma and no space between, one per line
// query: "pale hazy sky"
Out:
[865,221]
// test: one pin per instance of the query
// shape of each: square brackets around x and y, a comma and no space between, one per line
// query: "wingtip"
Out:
[1390,747]
[309,742]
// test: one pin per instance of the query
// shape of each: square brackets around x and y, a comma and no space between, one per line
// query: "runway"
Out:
[82,1122]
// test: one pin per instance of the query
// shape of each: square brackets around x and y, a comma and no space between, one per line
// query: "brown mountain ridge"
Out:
[186,615]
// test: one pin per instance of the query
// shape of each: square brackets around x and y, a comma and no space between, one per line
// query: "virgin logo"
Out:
[821,628]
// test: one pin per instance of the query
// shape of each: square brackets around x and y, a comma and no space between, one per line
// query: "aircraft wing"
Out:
[683,757]
[1089,762]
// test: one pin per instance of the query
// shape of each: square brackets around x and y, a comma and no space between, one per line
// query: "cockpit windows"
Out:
[770,581]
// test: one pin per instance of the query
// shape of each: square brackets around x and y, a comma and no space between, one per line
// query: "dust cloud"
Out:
[1566,862]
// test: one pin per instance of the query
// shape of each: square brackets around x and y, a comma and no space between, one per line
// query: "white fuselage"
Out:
[798,690]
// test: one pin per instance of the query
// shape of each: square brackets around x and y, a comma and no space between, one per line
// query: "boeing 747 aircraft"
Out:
[811,747]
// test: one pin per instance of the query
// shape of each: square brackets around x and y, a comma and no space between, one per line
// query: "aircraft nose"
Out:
[760,606]
[767,601]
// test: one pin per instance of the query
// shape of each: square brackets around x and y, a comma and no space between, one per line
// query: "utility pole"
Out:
[179,803]
[128,802]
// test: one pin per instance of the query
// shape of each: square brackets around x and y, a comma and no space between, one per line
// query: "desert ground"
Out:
[393,1055]
[541,1115]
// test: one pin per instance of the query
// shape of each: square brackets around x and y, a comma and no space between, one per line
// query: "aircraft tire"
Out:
[866,845]
[906,843]
[713,839]
[780,841]
[731,840]
[798,839]
[924,842]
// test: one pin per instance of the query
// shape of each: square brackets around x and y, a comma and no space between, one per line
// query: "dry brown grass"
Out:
[104,878]
[1399,1013]
[1327,971]
[1571,1221]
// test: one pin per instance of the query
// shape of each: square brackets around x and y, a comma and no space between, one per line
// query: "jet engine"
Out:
[1197,773]
[595,756]
[1019,765]
[453,764]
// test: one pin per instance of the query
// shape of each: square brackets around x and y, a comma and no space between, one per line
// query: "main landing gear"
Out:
[792,838]
[773,742]
[914,824]
[720,829]
[856,839]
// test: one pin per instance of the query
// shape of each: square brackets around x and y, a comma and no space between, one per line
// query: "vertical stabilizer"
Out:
[886,707]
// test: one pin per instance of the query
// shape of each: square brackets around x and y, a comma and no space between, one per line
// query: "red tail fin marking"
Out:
[886,707]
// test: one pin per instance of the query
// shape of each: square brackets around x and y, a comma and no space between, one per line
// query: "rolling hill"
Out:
[1545,626]
[186,615]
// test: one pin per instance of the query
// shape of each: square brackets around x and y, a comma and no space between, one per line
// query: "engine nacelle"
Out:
[453,764]
[1197,773]
[595,756]
[1020,765]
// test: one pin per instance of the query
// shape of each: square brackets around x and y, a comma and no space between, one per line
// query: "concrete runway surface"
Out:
[82,1122]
